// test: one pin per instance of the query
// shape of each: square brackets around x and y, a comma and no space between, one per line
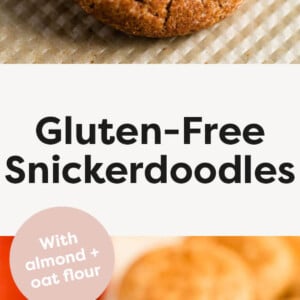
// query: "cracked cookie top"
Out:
[204,272]
[159,18]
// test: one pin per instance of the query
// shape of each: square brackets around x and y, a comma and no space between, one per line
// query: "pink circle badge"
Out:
[62,253]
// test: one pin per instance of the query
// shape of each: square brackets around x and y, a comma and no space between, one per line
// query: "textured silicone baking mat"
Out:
[57,31]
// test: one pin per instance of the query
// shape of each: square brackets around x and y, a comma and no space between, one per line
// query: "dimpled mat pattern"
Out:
[58,31]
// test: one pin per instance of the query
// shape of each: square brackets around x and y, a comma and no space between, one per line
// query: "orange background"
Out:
[8,289]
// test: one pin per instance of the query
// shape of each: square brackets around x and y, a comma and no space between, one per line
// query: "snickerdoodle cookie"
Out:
[159,18]
[294,242]
[270,259]
[201,272]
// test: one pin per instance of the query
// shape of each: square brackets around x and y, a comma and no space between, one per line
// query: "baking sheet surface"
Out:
[58,31]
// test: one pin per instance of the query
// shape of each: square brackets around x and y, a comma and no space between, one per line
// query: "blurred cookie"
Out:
[205,272]
[159,18]
[270,259]
[290,296]
[294,242]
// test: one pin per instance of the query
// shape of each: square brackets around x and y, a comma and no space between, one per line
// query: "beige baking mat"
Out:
[57,31]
